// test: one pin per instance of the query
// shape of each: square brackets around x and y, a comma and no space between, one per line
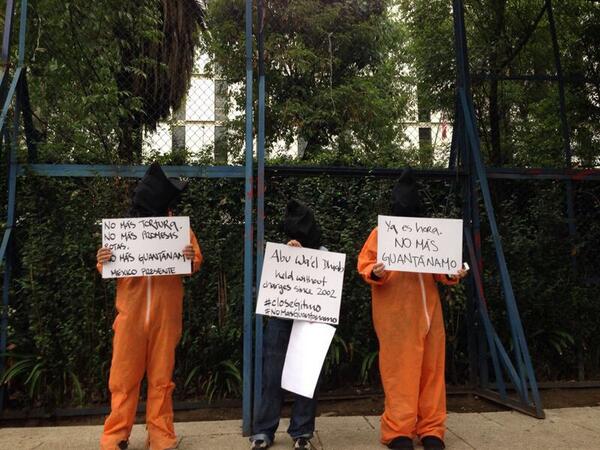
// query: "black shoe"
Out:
[123,445]
[432,443]
[401,442]
[259,443]
[302,444]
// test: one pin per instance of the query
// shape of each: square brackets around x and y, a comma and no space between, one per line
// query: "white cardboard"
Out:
[301,283]
[144,246]
[416,244]
[306,352]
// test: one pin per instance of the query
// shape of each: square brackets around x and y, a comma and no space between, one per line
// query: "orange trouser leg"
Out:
[400,353]
[126,373]
[164,336]
[431,420]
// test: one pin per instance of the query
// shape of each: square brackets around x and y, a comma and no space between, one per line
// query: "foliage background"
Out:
[61,311]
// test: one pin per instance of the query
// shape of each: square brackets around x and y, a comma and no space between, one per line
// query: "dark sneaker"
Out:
[432,443]
[303,444]
[259,443]
[123,445]
[402,442]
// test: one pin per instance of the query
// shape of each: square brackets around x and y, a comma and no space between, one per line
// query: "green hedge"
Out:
[62,311]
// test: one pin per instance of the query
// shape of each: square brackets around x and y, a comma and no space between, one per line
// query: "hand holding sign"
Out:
[189,252]
[379,269]
[103,255]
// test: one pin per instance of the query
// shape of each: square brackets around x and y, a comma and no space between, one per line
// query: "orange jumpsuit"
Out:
[407,315]
[146,331]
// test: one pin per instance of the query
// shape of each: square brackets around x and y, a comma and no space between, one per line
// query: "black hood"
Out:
[405,196]
[154,193]
[299,223]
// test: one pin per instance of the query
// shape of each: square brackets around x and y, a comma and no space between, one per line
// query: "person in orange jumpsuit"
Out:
[408,321]
[147,329]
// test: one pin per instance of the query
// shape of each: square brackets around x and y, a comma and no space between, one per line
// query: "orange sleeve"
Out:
[197,262]
[368,258]
[443,278]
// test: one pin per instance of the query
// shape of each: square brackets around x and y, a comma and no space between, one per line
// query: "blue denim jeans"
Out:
[302,423]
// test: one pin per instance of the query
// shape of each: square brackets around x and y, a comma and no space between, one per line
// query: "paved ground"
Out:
[569,428]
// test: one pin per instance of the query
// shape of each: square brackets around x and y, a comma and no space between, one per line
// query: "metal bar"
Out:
[542,78]
[455,146]
[260,203]
[525,409]
[9,96]
[248,237]
[565,131]
[22,32]
[510,368]
[5,241]
[4,323]
[492,172]
[543,174]
[460,45]
[513,312]
[561,86]
[8,18]
[461,156]
[97,170]
[277,170]
[483,313]
[3,76]
[10,222]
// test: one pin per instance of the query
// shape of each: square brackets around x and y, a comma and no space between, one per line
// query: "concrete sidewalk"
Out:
[569,428]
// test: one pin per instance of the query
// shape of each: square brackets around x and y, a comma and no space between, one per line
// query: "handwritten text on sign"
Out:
[414,244]
[301,283]
[144,246]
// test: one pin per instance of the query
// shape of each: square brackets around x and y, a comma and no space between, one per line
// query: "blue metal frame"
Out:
[100,170]
[260,203]
[12,145]
[564,129]
[248,236]
[522,376]
[466,145]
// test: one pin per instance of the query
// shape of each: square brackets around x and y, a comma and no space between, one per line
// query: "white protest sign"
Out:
[301,283]
[143,246]
[416,244]
[306,352]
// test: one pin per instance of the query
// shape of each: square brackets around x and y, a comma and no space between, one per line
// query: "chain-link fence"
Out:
[126,81]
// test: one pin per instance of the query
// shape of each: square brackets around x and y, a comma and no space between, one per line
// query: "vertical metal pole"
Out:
[248,237]
[477,356]
[12,173]
[22,31]
[8,17]
[260,202]
[10,223]
[566,135]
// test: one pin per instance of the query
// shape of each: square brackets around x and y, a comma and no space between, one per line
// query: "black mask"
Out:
[405,196]
[155,193]
[299,223]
